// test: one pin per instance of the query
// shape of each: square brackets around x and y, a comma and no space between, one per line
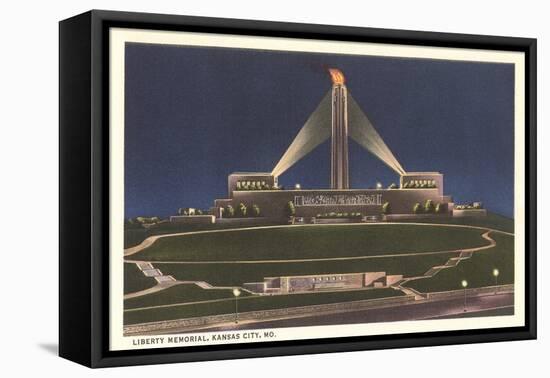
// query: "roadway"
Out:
[500,304]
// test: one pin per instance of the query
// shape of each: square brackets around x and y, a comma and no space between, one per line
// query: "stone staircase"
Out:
[451,263]
[149,270]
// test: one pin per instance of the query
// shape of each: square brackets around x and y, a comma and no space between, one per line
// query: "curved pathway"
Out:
[298,260]
[151,290]
[152,239]
[452,262]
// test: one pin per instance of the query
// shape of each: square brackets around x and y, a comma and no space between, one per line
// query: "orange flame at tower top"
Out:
[337,76]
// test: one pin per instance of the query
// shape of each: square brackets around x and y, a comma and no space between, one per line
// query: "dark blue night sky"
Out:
[194,115]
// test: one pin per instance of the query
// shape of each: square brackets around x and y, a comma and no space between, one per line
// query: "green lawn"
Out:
[492,220]
[311,242]
[134,235]
[179,294]
[477,270]
[235,274]
[134,280]
[253,303]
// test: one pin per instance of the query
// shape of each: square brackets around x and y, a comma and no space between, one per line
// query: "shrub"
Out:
[386,208]
[339,215]
[392,186]
[469,206]
[229,212]
[241,210]
[440,208]
[429,206]
[416,208]
[290,209]
[255,210]
[147,220]
[132,224]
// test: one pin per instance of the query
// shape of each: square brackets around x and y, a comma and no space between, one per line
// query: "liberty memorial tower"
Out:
[339,172]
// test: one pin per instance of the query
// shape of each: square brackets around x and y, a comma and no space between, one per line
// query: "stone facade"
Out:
[434,179]
[263,179]
[193,219]
[309,203]
[322,282]
[273,204]
[470,213]
[339,167]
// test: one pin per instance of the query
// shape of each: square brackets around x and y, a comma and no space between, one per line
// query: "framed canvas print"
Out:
[234,188]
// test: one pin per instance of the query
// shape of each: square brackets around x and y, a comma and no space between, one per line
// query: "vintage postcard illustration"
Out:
[266,189]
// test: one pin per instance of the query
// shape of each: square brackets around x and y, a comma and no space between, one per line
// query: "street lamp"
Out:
[464,285]
[236,293]
[297,186]
[378,185]
[495,274]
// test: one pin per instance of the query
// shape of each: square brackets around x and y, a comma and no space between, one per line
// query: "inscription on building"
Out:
[339,199]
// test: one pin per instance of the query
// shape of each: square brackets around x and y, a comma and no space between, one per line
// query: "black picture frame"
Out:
[84,189]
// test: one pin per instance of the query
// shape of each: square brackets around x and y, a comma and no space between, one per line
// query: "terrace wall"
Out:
[273,203]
